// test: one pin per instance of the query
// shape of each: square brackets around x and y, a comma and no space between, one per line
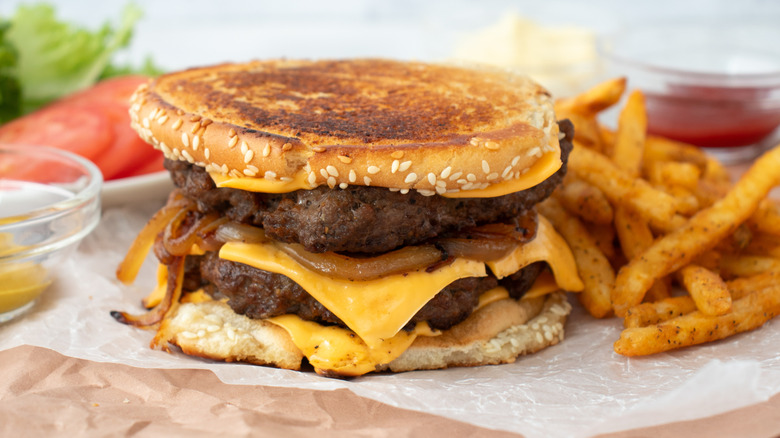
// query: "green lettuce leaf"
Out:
[10,90]
[58,58]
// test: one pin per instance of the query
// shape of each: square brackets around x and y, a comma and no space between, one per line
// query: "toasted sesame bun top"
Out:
[401,125]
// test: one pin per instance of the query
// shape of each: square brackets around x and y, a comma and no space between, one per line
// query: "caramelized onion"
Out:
[180,245]
[166,305]
[483,250]
[235,232]
[406,259]
[128,269]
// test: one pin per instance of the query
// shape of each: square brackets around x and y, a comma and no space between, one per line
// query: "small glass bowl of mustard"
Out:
[49,201]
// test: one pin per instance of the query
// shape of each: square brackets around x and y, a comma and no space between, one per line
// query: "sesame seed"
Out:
[179,112]
[394,166]
[166,150]
[492,176]
[235,173]
[324,173]
[446,172]
[233,141]
[184,139]
[195,128]
[515,160]
[162,120]
[224,168]
[461,181]
[373,170]
[177,124]
[367,180]
[539,337]
[405,166]
[244,147]
[331,182]
[468,186]
[318,149]
[394,189]
[404,191]
[249,172]
[485,166]
[212,328]
[248,156]
[285,179]
[188,335]
[491,145]
[312,178]
[195,119]
[176,152]
[269,174]
[344,159]
[548,336]
[506,172]
[352,176]
[471,177]
[397,154]
[187,156]
[267,149]
[343,186]
[474,141]
[206,153]
[426,192]
[286,147]
[441,190]
[195,142]
[145,122]
[332,170]
[231,334]
[441,184]
[205,122]
[432,178]
[231,133]
[412,177]
[455,176]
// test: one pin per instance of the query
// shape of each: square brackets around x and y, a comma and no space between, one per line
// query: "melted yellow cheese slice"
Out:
[374,309]
[548,164]
[547,246]
[262,185]
[339,350]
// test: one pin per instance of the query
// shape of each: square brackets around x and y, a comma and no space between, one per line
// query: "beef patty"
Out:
[359,219]
[260,294]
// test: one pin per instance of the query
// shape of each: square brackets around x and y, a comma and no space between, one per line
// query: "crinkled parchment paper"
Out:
[575,389]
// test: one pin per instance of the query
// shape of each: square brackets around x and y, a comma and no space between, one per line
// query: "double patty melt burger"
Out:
[366,215]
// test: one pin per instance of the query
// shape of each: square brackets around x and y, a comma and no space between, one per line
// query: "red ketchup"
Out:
[713,117]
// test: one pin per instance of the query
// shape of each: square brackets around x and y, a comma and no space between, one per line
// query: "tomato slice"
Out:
[75,128]
[116,90]
[128,151]
[151,166]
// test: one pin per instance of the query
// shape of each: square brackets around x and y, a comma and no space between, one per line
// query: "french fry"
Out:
[584,200]
[767,217]
[741,287]
[620,187]
[595,271]
[659,311]
[747,313]
[596,99]
[660,149]
[732,265]
[701,233]
[707,289]
[587,130]
[687,203]
[630,138]
[635,237]
[763,244]
[673,173]
[604,236]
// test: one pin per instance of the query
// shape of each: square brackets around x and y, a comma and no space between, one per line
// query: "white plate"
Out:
[152,187]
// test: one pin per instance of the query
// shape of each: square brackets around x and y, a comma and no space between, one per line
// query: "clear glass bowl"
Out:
[49,201]
[712,84]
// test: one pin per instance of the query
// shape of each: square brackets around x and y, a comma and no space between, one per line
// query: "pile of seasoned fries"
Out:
[661,236]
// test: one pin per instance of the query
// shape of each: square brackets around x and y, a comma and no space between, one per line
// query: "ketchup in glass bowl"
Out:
[715,85]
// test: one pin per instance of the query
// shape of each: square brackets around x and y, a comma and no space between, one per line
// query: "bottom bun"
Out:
[496,333]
